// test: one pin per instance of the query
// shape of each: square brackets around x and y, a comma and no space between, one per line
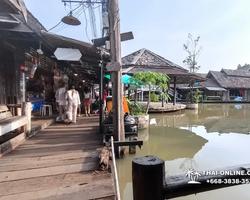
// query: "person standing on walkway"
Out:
[62,102]
[74,102]
[81,94]
[87,101]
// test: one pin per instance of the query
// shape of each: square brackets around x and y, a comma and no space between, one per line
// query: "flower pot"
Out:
[142,121]
[192,106]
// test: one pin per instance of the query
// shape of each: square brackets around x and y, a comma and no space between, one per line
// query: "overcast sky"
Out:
[162,26]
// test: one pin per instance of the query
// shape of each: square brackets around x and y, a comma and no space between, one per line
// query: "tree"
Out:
[193,53]
[244,67]
[194,96]
[151,79]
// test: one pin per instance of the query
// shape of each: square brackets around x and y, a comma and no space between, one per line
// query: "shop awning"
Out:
[188,88]
[216,89]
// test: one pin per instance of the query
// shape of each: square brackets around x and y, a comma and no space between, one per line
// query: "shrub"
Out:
[135,108]
[154,97]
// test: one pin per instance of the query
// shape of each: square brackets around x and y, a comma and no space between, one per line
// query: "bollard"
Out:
[132,148]
[148,178]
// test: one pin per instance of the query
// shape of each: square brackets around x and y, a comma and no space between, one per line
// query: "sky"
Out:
[162,26]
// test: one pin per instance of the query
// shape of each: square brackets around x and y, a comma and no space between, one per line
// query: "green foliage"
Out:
[135,108]
[194,96]
[154,97]
[151,79]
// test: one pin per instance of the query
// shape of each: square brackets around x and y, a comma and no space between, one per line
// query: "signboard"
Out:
[68,54]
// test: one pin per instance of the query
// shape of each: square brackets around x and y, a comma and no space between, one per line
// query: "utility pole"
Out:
[116,76]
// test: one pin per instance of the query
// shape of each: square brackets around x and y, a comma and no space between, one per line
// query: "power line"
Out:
[67,15]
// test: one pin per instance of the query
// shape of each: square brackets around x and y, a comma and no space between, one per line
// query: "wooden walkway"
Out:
[59,163]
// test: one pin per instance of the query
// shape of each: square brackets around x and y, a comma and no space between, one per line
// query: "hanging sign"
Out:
[68,54]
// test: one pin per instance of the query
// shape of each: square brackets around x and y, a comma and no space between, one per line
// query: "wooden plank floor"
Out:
[59,163]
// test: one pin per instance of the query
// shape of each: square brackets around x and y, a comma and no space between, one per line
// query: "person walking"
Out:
[61,101]
[87,101]
[81,94]
[74,102]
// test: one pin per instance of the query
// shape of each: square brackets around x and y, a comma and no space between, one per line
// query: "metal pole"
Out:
[24,87]
[101,95]
[115,171]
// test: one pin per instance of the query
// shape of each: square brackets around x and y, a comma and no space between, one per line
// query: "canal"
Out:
[215,136]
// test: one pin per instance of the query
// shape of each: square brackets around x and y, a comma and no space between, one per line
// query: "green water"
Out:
[215,136]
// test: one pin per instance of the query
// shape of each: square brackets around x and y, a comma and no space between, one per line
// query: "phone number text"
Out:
[229,181]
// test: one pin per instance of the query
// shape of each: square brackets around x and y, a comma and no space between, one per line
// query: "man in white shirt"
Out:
[62,102]
[73,103]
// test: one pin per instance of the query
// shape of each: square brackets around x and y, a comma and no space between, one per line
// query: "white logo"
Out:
[193,175]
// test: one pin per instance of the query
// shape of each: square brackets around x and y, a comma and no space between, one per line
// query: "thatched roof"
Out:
[145,60]
[210,82]
[238,73]
[148,58]
[231,78]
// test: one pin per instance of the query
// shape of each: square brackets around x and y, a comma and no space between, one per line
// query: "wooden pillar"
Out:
[129,92]
[135,95]
[228,94]
[162,99]
[26,107]
[148,178]
[174,102]
[245,95]
[117,95]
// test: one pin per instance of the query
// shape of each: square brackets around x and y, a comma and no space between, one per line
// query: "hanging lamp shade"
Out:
[70,20]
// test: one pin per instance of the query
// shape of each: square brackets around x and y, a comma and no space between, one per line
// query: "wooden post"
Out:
[135,95]
[162,99]
[132,149]
[28,114]
[174,102]
[116,76]
[148,178]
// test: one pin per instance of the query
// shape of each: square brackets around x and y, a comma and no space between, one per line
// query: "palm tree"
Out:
[190,174]
[193,175]
[196,175]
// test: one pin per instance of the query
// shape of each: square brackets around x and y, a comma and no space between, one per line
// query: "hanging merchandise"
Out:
[57,79]
[33,69]
[65,79]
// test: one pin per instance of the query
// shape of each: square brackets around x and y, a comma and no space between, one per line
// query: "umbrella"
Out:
[125,79]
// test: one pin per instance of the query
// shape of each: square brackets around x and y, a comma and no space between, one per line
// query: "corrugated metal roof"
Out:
[216,89]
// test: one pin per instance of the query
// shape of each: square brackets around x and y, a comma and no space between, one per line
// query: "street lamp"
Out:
[70,20]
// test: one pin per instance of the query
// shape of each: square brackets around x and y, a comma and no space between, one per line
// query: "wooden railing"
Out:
[149,181]
[117,190]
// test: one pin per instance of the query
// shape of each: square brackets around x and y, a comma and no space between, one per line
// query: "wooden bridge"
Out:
[60,162]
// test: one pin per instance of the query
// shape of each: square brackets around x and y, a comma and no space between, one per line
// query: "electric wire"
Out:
[86,25]
[78,13]
[67,15]
[83,7]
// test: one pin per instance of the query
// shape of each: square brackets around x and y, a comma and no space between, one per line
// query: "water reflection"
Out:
[189,139]
[170,143]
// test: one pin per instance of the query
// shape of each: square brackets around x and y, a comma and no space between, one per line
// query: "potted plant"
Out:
[147,79]
[193,98]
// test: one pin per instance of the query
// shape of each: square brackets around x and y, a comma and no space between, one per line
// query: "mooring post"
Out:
[148,178]
[132,148]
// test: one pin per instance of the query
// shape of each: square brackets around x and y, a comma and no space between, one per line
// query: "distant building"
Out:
[224,85]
